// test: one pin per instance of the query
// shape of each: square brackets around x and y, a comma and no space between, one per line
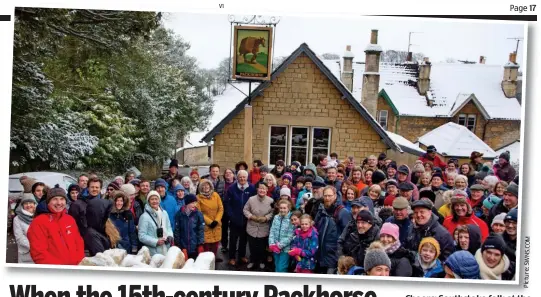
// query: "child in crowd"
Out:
[427,264]
[346,266]
[301,203]
[189,228]
[307,188]
[296,218]
[299,185]
[280,236]
[498,224]
[305,245]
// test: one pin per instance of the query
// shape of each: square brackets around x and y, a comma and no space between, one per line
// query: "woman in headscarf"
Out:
[24,215]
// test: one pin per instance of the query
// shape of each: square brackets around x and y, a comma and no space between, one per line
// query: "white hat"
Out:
[285,192]
[153,193]
[499,219]
[129,189]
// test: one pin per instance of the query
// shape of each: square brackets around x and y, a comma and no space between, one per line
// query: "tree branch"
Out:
[77,34]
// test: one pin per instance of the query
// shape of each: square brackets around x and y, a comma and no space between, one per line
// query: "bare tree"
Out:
[331,56]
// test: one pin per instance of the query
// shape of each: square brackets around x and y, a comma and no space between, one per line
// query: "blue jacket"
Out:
[180,202]
[436,271]
[189,230]
[330,229]
[298,201]
[282,232]
[235,199]
[463,264]
[125,224]
[169,205]
[403,228]
[148,230]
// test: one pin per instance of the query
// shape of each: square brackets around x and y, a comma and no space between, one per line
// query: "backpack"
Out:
[337,212]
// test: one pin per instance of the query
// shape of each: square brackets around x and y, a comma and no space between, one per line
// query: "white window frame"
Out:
[312,142]
[471,116]
[286,144]
[290,144]
[465,116]
[380,113]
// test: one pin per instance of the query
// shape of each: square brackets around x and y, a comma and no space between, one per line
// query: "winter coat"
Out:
[435,270]
[451,223]
[137,209]
[260,207]
[438,202]
[125,224]
[218,184]
[361,186]
[464,265]
[189,230]
[431,229]
[502,271]
[506,172]
[97,213]
[148,225]
[401,262]
[404,227]
[415,193]
[254,176]
[20,230]
[336,183]
[496,210]
[235,199]
[212,209]
[355,244]
[330,227]
[475,239]
[437,161]
[55,238]
[276,173]
[169,205]
[168,177]
[510,247]
[311,167]
[78,211]
[282,232]
[308,242]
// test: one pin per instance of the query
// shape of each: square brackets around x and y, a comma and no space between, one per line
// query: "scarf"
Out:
[304,234]
[491,273]
[390,249]
[425,266]
[24,215]
[207,195]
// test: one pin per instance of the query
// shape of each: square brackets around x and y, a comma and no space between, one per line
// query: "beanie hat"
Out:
[285,192]
[121,178]
[490,201]
[153,193]
[499,219]
[400,203]
[511,215]
[114,185]
[377,177]
[288,176]
[27,199]
[431,149]
[57,191]
[376,256]
[392,165]
[390,229]
[27,184]
[460,196]
[129,189]
[74,187]
[264,168]
[296,163]
[190,198]
[437,174]
[174,163]
[433,242]
[392,182]
[512,188]
[418,167]
[365,216]
[194,172]
[494,242]
[404,169]
[428,194]
[160,182]
[308,179]
[505,155]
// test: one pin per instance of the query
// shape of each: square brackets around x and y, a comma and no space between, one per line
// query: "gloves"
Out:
[274,248]
[261,219]
[134,250]
[294,252]
[200,249]
[171,240]
[185,252]
[213,224]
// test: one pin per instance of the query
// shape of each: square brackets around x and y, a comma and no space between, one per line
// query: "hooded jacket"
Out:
[20,229]
[404,227]
[401,262]
[308,242]
[55,238]
[235,199]
[218,184]
[452,222]
[463,265]
[496,210]
[475,239]
[169,204]
[506,172]
[329,229]
[212,209]
[180,202]
[355,244]
[311,167]
[282,232]
[510,246]
[148,225]
[431,229]
[125,224]
[408,180]
[189,230]
[435,270]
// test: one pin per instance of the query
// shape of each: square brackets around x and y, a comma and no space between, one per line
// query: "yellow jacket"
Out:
[213,210]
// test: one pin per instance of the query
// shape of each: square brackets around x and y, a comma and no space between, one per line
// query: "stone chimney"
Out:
[409,57]
[347,71]
[482,59]
[423,82]
[510,76]
[370,88]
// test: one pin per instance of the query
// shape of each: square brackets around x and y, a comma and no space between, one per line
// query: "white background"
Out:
[67,279]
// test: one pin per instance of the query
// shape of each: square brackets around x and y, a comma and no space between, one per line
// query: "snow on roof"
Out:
[457,141]
[373,48]
[223,105]
[514,151]
[347,54]
[404,142]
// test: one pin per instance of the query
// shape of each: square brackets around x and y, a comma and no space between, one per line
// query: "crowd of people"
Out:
[436,220]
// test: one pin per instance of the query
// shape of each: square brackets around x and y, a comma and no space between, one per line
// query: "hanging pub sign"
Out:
[252,58]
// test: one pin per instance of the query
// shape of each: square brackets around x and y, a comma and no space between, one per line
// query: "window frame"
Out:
[311,157]
[290,144]
[271,145]
[380,112]
[465,116]
[474,117]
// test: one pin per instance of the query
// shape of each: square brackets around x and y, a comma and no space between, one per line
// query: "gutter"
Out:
[485,129]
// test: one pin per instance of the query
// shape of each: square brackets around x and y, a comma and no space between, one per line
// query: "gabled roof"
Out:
[469,98]
[303,48]
[406,145]
[453,140]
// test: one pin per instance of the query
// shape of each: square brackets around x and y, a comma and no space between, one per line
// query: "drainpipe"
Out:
[396,124]
[485,130]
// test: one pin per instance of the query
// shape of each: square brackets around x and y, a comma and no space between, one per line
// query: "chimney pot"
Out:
[348,48]
[374,37]
[426,59]
[482,60]
[409,57]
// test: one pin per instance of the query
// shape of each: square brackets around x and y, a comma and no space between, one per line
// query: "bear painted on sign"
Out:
[251,45]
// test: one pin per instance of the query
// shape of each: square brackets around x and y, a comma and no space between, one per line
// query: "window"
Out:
[321,141]
[278,143]
[467,120]
[299,144]
[68,181]
[382,118]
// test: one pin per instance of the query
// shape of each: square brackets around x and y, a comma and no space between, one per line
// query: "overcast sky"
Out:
[209,36]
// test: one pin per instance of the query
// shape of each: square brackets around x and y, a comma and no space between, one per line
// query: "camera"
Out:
[159,232]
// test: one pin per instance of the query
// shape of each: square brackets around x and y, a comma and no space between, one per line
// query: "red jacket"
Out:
[437,161]
[451,225]
[254,176]
[54,239]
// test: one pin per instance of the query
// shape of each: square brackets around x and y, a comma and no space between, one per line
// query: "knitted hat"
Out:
[153,193]
[418,167]
[405,186]
[392,182]
[190,198]
[490,201]
[505,155]
[27,184]
[460,196]
[404,169]
[428,194]
[477,187]
[174,163]
[74,187]
[382,157]
[391,230]
[376,256]
[194,172]
[121,178]
[114,185]
[421,203]
[499,219]
[401,203]
[57,191]
[288,176]
[365,216]
[512,215]
[431,149]
[392,165]
[296,163]
[160,182]
[436,174]
[377,177]
[512,189]
[285,192]
[433,242]
[129,189]
[264,168]
[494,242]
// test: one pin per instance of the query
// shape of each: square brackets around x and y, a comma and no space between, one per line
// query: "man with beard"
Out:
[330,220]
[355,243]
[312,206]
[509,202]
[427,225]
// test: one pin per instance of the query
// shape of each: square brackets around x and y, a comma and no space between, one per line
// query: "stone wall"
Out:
[500,133]
[480,121]
[391,117]
[412,128]
[229,144]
